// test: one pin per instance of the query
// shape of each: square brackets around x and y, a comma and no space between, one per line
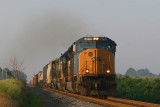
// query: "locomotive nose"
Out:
[96,61]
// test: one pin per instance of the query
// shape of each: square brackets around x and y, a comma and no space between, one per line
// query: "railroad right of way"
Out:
[56,99]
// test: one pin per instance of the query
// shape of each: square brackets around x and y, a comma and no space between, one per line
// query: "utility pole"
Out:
[2,74]
[6,74]
[15,74]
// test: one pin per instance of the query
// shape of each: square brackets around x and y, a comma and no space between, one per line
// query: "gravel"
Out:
[55,99]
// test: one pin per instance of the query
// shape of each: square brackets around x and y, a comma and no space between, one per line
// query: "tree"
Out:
[16,66]
[131,72]
[140,73]
[22,75]
[144,73]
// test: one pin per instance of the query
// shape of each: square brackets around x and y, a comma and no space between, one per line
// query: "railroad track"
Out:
[109,102]
[132,102]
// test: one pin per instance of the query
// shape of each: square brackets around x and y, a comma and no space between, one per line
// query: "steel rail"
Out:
[132,102]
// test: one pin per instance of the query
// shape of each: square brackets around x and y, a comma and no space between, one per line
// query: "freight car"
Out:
[87,67]
[34,80]
[40,79]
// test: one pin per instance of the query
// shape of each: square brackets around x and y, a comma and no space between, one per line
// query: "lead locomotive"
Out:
[87,67]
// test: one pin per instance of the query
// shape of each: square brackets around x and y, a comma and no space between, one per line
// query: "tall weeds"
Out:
[13,93]
[11,87]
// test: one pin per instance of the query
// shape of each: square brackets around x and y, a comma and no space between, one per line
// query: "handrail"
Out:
[82,67]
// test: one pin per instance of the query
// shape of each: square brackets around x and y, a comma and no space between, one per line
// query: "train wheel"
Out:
[104,96]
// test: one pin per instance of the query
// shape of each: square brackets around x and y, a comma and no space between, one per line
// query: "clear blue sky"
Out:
[38,31]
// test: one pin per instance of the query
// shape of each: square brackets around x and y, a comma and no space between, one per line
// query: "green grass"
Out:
[11,87]
[141,89]
[12,90]
[30,99]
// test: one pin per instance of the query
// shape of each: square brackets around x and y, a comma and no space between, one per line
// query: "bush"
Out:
[141,89]
[11,87]
[13,93]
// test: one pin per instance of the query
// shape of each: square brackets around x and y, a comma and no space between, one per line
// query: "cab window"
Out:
[85,45]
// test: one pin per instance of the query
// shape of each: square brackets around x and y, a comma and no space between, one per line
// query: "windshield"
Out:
[106,45]
[85,45]
[96,44]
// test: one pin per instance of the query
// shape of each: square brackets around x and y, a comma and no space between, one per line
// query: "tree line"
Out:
[14,70]
[139,73]
[8,74]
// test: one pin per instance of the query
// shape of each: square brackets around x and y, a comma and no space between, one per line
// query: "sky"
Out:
[38,31]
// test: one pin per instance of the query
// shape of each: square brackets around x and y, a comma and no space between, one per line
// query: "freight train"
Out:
[87,68]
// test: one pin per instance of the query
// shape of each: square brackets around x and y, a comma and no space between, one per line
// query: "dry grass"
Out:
[6,101]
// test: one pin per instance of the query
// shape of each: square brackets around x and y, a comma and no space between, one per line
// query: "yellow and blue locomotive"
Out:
[87,67]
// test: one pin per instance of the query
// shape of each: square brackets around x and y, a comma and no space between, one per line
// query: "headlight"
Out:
[95,38]
[87,71]
[108,71]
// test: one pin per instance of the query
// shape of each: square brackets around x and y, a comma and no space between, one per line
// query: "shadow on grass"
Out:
[30,98]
